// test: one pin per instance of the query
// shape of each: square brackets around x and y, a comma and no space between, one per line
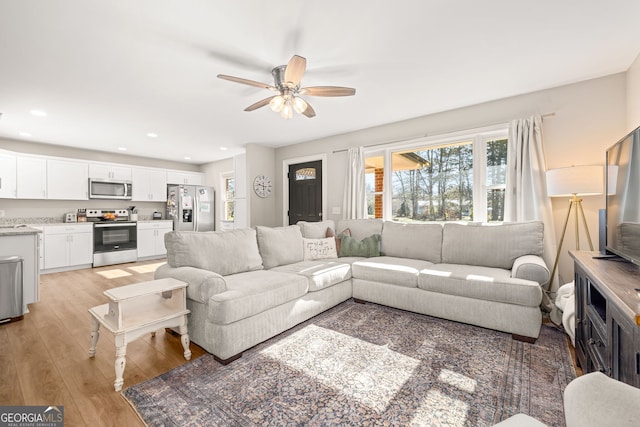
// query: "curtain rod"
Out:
[423,136]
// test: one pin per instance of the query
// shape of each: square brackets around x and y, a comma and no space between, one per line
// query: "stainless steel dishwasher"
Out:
[10,287]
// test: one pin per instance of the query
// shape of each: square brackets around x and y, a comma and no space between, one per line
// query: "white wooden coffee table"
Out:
[139,309]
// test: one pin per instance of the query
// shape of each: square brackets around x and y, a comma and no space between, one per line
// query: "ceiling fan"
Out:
[287,83]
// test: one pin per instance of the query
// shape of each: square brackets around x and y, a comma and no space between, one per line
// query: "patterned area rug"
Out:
[365,364]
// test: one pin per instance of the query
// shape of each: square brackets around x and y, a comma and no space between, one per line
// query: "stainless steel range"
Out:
[114,236]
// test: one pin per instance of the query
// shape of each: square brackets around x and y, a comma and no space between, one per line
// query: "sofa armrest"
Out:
[531,267]
[202,283]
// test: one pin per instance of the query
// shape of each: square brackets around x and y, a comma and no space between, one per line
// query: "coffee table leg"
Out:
[184,337]
[121,361]
[95,334]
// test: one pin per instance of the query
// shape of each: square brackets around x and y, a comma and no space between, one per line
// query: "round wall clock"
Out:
[262,186]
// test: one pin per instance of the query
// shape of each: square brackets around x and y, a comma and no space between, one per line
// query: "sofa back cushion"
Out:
[280,245]
[491,245]
[415,241]
[224,252]
[316,230]
[360,228]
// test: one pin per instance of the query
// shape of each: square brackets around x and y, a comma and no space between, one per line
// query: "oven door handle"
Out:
[127,224]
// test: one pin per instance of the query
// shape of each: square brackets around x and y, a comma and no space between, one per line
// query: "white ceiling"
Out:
[109,72]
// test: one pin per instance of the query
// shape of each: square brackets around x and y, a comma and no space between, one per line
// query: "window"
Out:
[374,182]
[305,173]
[457,179]
[228,196]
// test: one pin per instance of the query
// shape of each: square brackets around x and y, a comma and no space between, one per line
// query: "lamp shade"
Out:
[578,180]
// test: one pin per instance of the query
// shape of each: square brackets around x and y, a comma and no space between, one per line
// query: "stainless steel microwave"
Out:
[100,189]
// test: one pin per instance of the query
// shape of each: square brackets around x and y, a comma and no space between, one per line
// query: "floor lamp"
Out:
[574,182]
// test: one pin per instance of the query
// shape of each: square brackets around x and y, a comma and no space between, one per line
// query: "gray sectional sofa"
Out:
[248,285]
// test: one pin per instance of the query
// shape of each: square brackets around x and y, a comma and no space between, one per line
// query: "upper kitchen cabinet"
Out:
[7,176]
[186,178]
[67,180]
[109,172]
[149,185]
[31,178]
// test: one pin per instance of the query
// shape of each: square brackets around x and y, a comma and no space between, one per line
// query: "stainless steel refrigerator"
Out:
[191,207]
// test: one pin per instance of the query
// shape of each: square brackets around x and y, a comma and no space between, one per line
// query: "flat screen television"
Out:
[623,198]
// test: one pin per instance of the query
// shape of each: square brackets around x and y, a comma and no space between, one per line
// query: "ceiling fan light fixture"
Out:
[277,103]
[299,104]
[287,110]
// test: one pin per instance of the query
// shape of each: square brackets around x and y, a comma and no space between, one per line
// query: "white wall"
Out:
[589,117]
[260,161]
[633,95]
[213,173]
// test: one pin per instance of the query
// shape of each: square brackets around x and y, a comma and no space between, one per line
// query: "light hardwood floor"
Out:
[44,357]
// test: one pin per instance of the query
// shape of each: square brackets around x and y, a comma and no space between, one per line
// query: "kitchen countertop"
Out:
[26,227]
[10,230]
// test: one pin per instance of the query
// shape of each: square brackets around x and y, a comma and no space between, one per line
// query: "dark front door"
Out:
[305,192]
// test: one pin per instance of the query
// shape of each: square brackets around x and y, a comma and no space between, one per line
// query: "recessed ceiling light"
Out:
[122,148]
[38,113]
[25,134]
[223,148]
[187,158]
[152,135]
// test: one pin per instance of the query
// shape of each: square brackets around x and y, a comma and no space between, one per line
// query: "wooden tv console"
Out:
[608,316]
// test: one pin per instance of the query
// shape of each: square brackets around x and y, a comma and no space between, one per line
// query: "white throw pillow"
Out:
[320,248]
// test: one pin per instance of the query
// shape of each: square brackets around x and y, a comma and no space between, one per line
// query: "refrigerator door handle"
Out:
[196,204]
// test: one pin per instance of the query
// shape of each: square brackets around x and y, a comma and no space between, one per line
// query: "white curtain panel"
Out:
[354,205]
[526,193]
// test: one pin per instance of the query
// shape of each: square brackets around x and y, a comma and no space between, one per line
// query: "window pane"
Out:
[229,189]
[228,211]
[495,205]
[433,184]
[305,173]
[496,162]
[374,184]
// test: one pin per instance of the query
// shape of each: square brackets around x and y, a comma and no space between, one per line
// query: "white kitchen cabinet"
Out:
[151,238]
[149,185]
[67,180]
[40,241]
[185,178]
[7,176]
[31,178]
[68,245]
[109,172]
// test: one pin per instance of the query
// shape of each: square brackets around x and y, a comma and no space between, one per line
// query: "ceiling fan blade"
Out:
[259,104]
[309,112]
[295,70]
[327,91]
[247,82]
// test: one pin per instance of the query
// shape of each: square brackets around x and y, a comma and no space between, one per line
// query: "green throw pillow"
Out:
[367,247]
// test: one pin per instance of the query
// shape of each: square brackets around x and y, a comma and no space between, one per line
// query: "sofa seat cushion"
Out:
[253,292]
[483,283]
[392,270]
[320,273]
